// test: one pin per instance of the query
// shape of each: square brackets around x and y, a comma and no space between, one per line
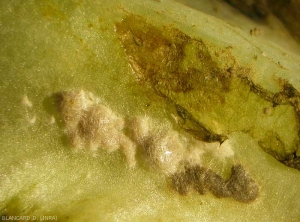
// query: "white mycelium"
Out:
[162,146]
[168,150]
[90,124]
[165,151]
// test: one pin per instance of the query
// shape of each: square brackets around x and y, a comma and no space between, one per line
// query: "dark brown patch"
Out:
[240,186]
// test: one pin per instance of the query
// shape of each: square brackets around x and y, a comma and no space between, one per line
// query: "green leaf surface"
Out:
[216,84]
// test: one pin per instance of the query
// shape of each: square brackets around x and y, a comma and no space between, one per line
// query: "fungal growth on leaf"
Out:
[89,124]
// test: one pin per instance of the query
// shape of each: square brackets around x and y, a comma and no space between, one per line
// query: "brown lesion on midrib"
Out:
[158,59]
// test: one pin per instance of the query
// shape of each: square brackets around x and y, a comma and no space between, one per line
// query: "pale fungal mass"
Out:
[163,148]
[168,150]
[90,125]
